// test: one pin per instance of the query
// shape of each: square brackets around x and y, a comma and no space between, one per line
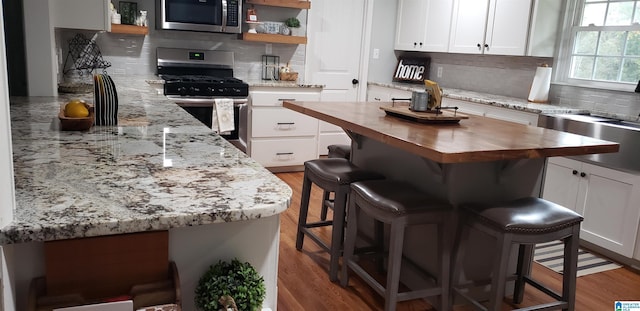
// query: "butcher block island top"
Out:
[476,139]
[159,168]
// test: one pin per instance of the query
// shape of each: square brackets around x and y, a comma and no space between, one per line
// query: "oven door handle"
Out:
[199,102]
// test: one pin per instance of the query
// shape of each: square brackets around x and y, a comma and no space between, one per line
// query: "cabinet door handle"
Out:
[420,44]
[415,43]
[376,99]
[575,172]
[284,153]
[283,99]
[479,46]
[486,46]
[583,174]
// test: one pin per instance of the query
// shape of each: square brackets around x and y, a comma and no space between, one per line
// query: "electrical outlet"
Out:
[268,48]
[376,53]
[439,74]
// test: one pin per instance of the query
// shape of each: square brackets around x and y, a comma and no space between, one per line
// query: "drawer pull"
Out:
[286,123]
[283,99]
[284,156]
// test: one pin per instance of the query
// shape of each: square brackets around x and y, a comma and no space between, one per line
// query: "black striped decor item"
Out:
[550,255]
[105,99]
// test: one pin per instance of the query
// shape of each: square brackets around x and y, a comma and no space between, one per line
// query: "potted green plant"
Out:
[230,284]
[294,24]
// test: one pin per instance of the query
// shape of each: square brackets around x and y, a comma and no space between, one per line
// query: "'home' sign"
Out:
[413,70]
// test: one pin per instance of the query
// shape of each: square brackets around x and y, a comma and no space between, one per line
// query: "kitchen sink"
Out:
[626,133]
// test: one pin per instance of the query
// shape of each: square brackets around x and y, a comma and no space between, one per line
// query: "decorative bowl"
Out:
[76,124]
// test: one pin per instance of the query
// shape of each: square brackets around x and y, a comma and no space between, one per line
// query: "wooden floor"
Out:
[303,282]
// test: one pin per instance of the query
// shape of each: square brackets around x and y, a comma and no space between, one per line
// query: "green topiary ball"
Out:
[236,279]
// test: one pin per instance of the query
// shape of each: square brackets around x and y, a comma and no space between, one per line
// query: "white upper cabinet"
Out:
[423,25]
[498,27]
[81,14]
[545,21]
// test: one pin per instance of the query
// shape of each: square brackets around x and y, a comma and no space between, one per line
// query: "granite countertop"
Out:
[488,99]
[159,168]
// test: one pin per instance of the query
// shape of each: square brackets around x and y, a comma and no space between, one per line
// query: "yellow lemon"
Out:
[76,108]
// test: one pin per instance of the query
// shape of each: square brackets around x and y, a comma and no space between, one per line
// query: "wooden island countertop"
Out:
[477,139]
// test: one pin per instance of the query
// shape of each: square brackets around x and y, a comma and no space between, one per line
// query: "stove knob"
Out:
[210,90]
[221,90]
[192,90]
[182,91]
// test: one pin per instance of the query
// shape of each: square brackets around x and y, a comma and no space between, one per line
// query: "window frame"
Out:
[562,63]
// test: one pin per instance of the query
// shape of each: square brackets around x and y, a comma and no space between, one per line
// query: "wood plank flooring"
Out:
[303,282]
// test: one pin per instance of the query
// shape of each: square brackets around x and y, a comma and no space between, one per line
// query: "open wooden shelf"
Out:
[129,29]
[282,3]
[273,38]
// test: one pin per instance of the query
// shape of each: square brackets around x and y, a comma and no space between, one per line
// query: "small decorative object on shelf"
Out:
[141,20]
[293,24]
[128,11]
[252,16]
[234,285]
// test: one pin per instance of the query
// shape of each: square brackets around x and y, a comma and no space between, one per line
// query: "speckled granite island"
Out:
[158,169]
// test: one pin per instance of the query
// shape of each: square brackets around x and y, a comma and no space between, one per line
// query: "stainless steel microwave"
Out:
[200,15]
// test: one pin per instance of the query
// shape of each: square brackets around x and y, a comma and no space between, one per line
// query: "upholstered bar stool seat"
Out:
[401,205]
[525,222]
[331,175]
[335,151]
[339,151]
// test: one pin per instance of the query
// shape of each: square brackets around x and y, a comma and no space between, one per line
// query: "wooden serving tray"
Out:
[404,112]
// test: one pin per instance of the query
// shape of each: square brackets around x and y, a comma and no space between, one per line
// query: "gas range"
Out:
[193,79]
[202,85]
[197,73]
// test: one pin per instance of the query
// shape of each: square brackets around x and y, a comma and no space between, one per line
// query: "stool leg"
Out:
[461,236]
[396,240]
[499,273]
[570,268]
[525,256]
[444,262]
[323,212]
[304,209]
[337,233]
[350,241]
[378,227]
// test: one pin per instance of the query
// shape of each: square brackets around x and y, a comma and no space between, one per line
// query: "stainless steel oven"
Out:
[193,79]
[199,15]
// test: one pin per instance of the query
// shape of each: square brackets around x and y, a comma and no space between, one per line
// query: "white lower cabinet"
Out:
[284,151]
[376,93]
[330,134]
[280,137]
[608,199]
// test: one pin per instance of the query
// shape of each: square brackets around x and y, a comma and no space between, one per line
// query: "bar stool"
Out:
[339,151]
[400,205]
[335,151]
[332,175]
[525,222]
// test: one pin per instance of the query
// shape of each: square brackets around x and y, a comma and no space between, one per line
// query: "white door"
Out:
[334,50]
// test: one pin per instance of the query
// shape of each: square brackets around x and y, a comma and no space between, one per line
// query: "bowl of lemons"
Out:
[76,115]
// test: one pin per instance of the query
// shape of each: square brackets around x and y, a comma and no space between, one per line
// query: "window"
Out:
[604,46]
